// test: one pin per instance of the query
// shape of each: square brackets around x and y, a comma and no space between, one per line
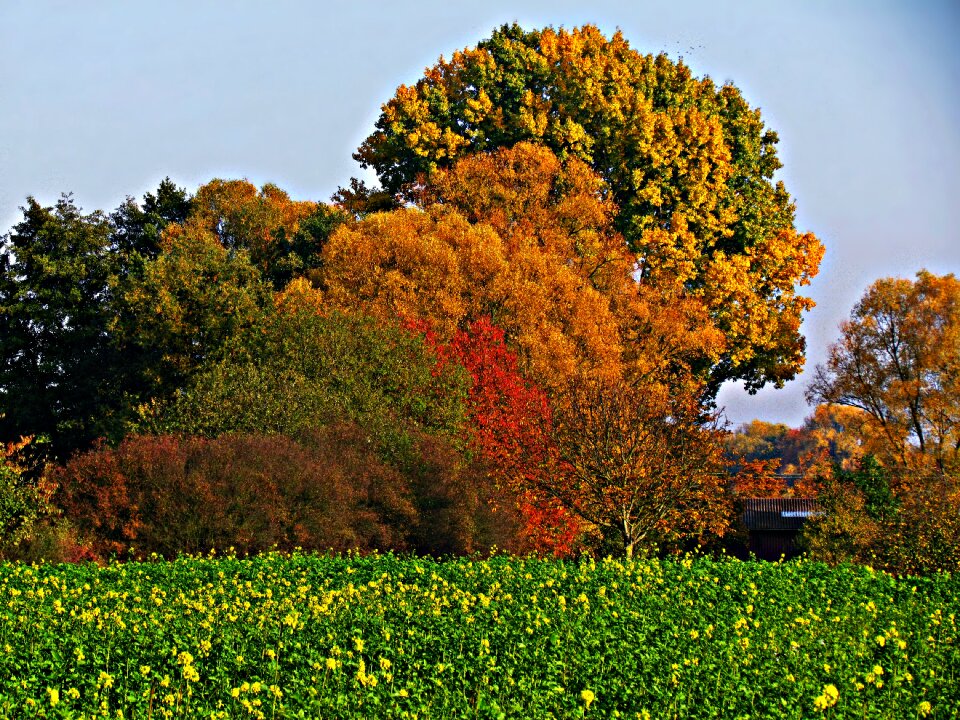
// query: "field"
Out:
[382,636]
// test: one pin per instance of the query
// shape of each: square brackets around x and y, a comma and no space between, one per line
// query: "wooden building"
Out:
[773,525]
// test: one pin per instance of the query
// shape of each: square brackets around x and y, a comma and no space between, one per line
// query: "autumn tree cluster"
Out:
[515,340]
[882,449]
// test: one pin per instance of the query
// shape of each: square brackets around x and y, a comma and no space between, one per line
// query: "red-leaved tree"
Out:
[510,419]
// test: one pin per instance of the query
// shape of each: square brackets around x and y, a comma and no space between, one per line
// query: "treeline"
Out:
[515,341]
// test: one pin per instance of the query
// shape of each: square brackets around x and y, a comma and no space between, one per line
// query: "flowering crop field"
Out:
[388,637]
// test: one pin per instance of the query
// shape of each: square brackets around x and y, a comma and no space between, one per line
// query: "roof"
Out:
[778,513]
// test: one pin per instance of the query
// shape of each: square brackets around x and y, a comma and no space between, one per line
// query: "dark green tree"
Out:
[299,253]
[137,227]
[57,359]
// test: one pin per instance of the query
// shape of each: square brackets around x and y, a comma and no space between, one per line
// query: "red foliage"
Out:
[510,419]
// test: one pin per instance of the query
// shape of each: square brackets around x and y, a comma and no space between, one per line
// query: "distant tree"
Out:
[689,166]
[898,361]
[757,440]
[846,434]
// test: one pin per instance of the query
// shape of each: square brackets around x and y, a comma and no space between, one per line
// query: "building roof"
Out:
[778,513]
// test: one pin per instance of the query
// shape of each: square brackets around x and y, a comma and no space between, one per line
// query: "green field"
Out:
[382,636]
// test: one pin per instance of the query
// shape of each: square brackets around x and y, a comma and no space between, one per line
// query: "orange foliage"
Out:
[527,240]
[898,363]
[242,217]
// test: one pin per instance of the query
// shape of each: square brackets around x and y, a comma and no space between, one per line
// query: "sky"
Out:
[106,98]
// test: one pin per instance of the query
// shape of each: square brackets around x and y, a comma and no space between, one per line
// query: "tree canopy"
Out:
[898,361]
[689,166]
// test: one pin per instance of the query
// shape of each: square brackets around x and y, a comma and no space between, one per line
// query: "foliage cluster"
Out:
[380,636]
[902,523]
[329,489]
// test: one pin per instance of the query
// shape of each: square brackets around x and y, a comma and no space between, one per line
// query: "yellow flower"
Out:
[877,670]
[331,664]
[235,692]
[54,696]
[924,708]
[828,698]
[588,697]
[881,640]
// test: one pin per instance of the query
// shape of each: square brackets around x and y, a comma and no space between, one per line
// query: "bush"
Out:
[298,370]
[910,527]
[328,490]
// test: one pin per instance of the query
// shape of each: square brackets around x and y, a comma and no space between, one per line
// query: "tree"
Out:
[847,434]
[689,166]
[137,228]
[438,267]
[498,239]
[24,498]
[757,440]
[869,517]
[638,463]
[284,238]
[509,431]
[56,354]
[183,307]
[295,370]
[898,361]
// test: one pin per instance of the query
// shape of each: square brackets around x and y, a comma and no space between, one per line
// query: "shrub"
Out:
[330,489]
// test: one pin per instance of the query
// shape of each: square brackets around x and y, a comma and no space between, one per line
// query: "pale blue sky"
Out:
[104,99]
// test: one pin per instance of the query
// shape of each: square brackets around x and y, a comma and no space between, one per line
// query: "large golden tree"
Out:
[689,166]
